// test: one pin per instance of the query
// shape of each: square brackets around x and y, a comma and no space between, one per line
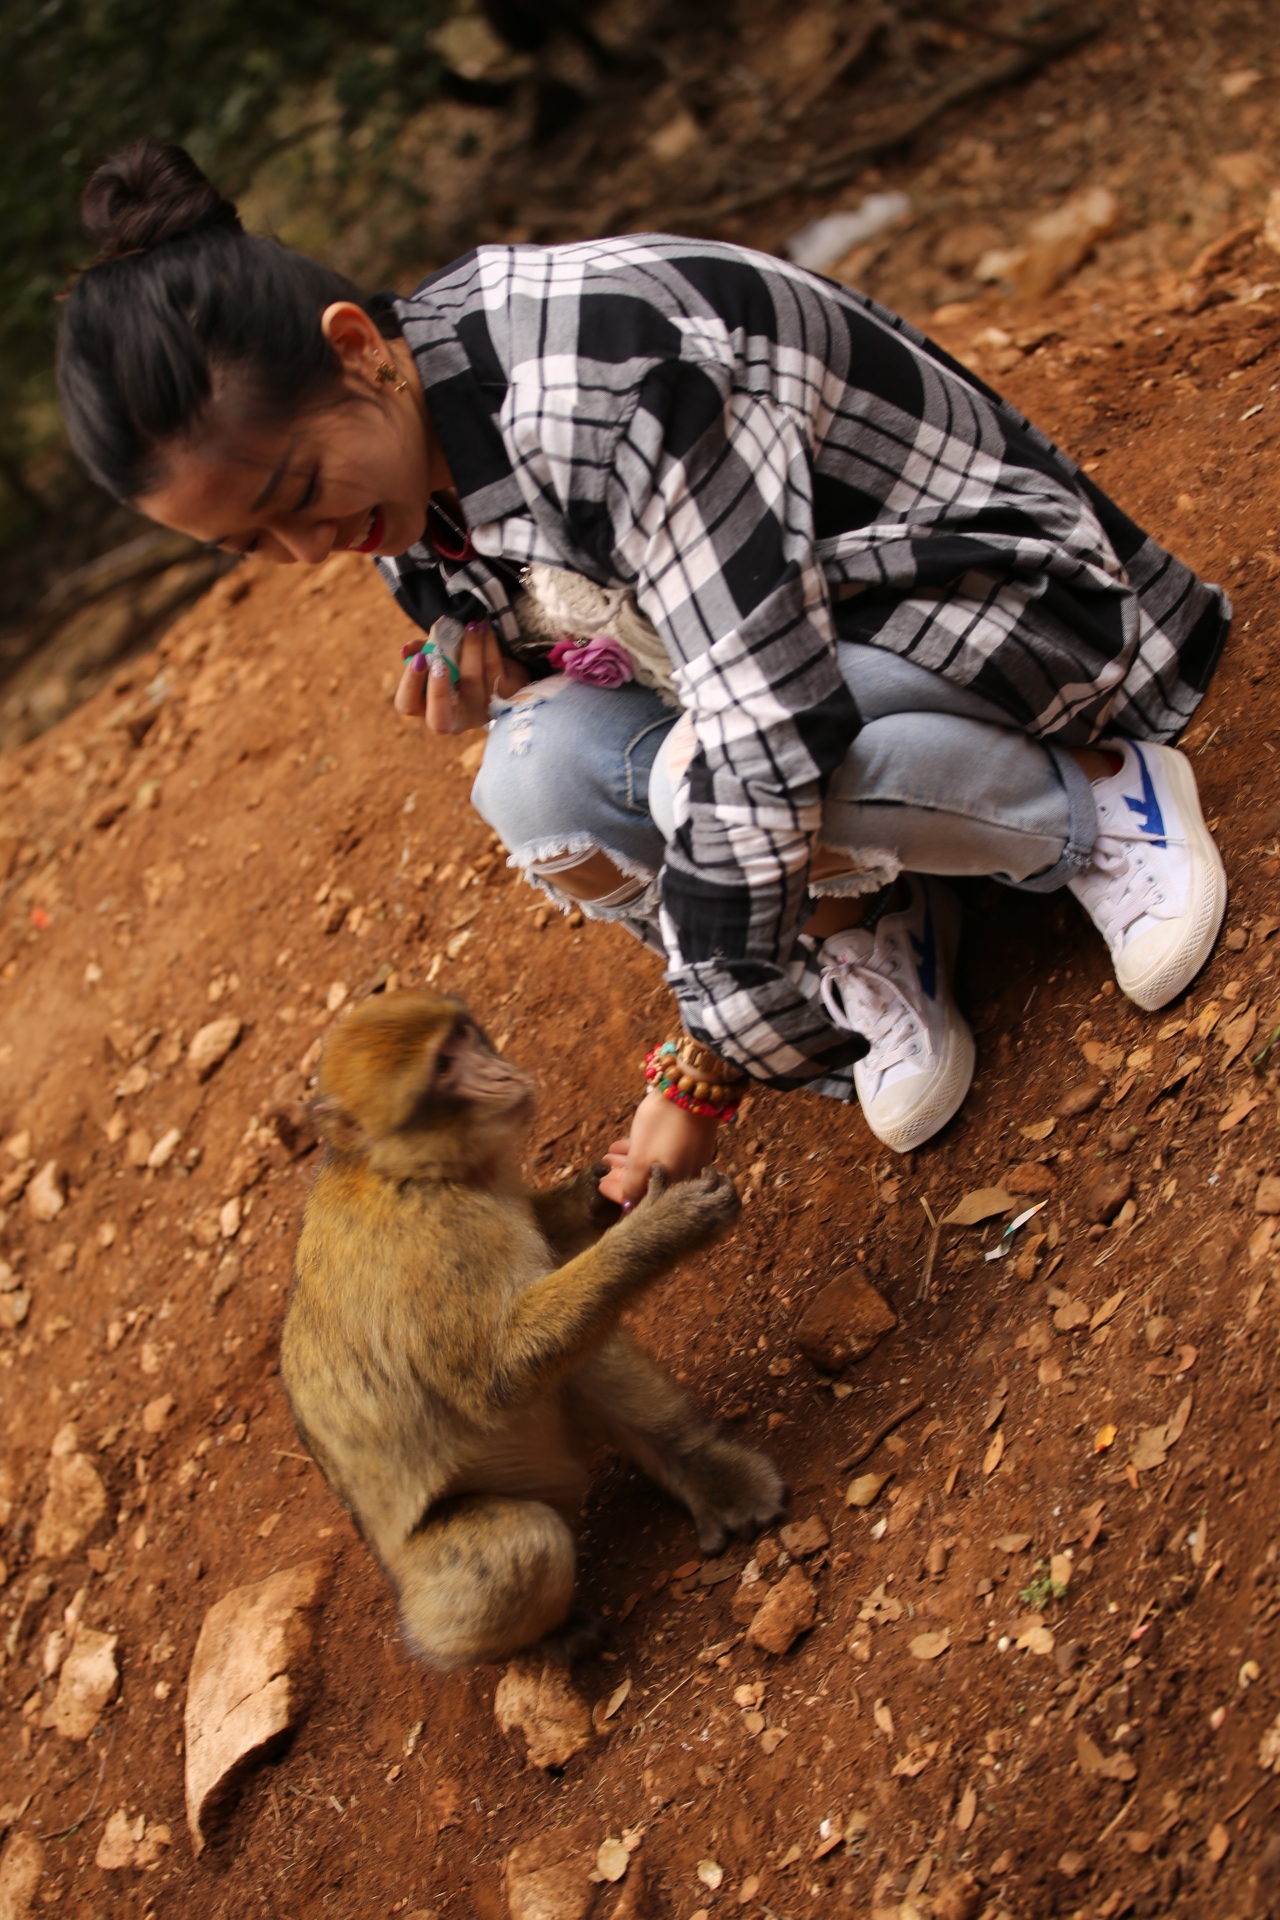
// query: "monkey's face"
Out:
[411,1082]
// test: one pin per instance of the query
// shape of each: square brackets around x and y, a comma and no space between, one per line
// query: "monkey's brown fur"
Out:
[449,1374]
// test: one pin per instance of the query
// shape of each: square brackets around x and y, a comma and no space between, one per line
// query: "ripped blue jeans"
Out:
[937,781]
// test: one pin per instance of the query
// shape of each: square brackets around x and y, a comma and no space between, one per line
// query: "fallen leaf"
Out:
[1182,1362]
[1038,1639]
[982,1204]
[1092,1761]
[1108,1310]
[927,1646]
[1149,1452]
[1040,1131]
[1060,1569]
[617,1697]
[967,1810]
[865,1490]
[996,1407]
[1237,1034]
[1206,1020]
[749,1889]
[1049,1372]
[883,1717]
[1013,1542]
[914,1761]
[1103,1438]
[1241,1107]
[995,1452]
[1139,1059]
[771,1739]
[1178,1425]
[711,1873]
[1106,1059]
[612,1859]
[1219,1841]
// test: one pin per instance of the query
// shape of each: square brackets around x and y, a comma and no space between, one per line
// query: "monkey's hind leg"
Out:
[483,1577]
[631,1401]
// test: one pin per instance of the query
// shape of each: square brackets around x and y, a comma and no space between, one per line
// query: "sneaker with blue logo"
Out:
[893,986]
[1155,887]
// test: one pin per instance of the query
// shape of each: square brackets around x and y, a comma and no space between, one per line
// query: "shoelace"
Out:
[863,996]
[1115,908]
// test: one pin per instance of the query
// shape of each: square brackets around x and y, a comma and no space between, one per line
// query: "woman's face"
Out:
[354,476]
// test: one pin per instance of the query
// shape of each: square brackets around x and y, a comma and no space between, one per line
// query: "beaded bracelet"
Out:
[705,1101]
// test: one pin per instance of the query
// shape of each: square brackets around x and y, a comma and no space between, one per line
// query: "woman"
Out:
[906,635]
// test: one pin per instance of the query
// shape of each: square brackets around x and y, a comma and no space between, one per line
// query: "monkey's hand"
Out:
[575,1213]
[690,1212]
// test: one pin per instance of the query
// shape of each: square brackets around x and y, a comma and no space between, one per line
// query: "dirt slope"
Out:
[166,851]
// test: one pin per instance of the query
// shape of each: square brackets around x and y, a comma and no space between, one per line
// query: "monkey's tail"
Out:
[482,1577]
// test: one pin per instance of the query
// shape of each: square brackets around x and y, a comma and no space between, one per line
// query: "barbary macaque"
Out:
[452,1350]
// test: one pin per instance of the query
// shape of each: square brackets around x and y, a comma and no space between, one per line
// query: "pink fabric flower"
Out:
[600,662]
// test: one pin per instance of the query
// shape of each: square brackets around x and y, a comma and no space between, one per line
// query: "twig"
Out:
[882,1432]
[77,1824]
[922,1291]
[666,1696]
[1240,1805]
[1113,1824]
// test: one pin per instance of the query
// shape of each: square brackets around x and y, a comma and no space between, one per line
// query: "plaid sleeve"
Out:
[710,504]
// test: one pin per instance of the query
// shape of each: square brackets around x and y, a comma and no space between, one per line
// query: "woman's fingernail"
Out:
[476,626]
[419,662]
[409,648]
[628,1206]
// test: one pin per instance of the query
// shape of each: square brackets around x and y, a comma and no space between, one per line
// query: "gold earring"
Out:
[390,378]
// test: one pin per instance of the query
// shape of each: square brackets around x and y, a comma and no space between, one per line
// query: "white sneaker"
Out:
[893,986]
[1155,887]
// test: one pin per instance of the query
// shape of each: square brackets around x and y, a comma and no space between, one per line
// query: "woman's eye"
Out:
[308,498]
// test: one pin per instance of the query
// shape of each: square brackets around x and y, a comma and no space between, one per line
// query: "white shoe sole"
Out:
[1152,982]
[942,1093]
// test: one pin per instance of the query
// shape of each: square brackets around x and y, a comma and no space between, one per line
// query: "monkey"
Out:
[452,1350]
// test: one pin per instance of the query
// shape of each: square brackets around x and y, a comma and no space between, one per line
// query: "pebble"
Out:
[21,1870]
[801,1537]
[45,1197]
[546,1877]
[843,1323]
[1160,1333]
[1107,1195]
[75,1502]
[156,1412]
[14,1308]
[131,1843]
[137,1150]
[247,1684]
[789,1610]
[1267,1197]
[959,1899]
[1031,1180]
[539,1706]
[88,1681]
[1082,1098]
[211,1045]
[165,1148]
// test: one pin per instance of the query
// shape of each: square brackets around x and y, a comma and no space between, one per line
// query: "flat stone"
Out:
[156,1412]
[21,1866]
[540,1707]
[1082,1098]
[803,1537]
[1030,1180]
[843,1323]
[115,1849]
[1267,1198]
[1107,1195]
[547,1877]
[14,1308]
[86,1684]
[789,1610]
[247,1685]
[211,1045]
[45,1198]
[75,1503]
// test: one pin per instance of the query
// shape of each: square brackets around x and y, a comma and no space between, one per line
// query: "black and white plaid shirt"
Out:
[769,460]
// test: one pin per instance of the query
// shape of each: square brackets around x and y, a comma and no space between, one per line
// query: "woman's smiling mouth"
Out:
[373,533]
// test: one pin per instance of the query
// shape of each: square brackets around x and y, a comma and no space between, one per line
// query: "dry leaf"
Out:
[1182,1362]
[1013,1542]
[1149,1451]
[982,1204]
[1060,1569]
[1219,1841]
[914,1761]
[1178,1425]
[995,1452]
[772,1738]
[1139,1059]
[617,1697]
[612,1859]
[1037,1639]
[1206,1020]
[754,1721]
[1106,1059]
[1092,1761]
[967,1810]
[927,1646]
[1040,1131]
[1108,1310]
[1049,1372]
[866,1489]
[883,1718]
[1103,1438]
[996,1407]
[1237,1034]
[1241,1107]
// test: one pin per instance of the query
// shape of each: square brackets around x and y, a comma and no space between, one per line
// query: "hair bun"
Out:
[148,194]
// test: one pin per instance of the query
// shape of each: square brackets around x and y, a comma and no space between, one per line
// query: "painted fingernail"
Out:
[628,1206]
[409,648]
[475,626]
[419,663]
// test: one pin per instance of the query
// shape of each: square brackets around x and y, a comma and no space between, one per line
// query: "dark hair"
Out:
[178,292]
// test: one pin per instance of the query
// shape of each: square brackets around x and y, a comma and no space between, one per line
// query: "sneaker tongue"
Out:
[849,948]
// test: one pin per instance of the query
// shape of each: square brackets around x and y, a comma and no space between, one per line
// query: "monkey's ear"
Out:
[334,1124]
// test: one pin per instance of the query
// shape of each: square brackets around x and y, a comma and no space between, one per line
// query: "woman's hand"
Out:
[425,691]
[681,1143]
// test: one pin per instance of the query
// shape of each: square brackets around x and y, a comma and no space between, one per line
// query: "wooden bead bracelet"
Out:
[707,1100]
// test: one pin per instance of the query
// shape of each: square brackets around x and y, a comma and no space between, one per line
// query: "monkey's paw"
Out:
[694,1210]
[732,1489]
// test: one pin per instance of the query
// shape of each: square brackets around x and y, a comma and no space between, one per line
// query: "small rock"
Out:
[541,1704]
[866,1489]
[21,1867]
[14,1308]
[959,1899]
[246,1687]
[116,1847]
[1107,1195]
[546,1878]
[63,1257]
[1235,940]
[211,1045]
[843,1323]
[1030,1180]
[229,1218]
[748,1595]
[137,1148]
[1160,1333]
[156,1412]
[1082,1098]
[165,1148]
[45,1198]
[1267,1198]
[789,1610]
[803,1537]
[88,1680]
[75,1503]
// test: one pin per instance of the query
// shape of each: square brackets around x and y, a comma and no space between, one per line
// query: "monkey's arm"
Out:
[572,1216]
[555,1322]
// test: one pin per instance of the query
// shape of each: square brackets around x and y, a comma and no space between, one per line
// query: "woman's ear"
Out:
[354,338]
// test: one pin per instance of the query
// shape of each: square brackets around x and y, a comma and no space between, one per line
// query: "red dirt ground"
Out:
[264,718]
